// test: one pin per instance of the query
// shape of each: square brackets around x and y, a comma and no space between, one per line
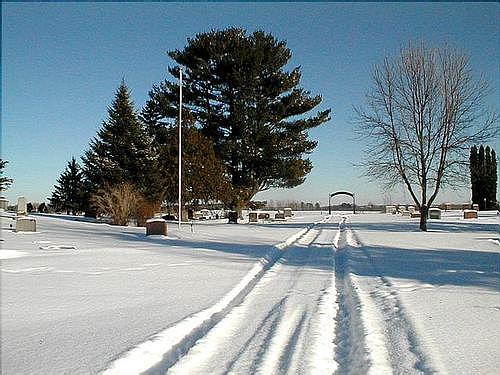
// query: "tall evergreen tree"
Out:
[474,173]
[122,150]
[5,182]
[493,173]
[487,178]
[481,188]
[68,193]
[237,91]
[483,170]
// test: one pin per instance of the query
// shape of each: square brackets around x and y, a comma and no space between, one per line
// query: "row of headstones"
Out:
[254,217]
[434,212]
[410,211]
[22,205]
[158,226]
[23,223]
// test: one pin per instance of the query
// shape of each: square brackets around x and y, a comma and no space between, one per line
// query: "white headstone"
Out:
[4,203]
[21,206]
[390,209]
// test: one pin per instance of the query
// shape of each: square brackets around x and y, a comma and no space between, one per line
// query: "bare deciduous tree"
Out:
[120,202]
[422,114]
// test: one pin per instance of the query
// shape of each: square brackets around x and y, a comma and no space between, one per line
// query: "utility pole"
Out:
[180,146]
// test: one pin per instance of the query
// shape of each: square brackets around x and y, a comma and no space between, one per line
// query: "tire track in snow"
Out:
[279,352]
[402,346]
[265,333]
[266,351]
[270,331]
[160,352]
[351,351]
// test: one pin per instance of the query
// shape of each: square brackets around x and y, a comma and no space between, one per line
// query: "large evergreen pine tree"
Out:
[122,150]
[69,192]
[239,94]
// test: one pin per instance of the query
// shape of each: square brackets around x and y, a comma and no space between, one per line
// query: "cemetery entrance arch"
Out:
[342,193]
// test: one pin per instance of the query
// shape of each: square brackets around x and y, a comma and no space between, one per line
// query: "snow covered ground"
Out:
[439,292]
[362,293]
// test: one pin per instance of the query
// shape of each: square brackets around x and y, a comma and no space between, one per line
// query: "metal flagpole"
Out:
[180,146]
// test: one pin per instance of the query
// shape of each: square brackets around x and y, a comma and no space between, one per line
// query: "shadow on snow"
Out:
[436,267]
[432,226]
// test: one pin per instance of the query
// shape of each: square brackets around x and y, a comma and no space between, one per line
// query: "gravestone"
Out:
[233,217]
[470,214]
[390,209]
[156,227]
[279,216]
[4,203]
[434,213]
[252,217]
[25,224]
[475,206]
[22,206]
[287,212]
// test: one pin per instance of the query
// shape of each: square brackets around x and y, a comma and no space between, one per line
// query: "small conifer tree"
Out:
[68,193]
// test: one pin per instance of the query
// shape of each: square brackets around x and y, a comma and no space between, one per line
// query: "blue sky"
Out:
[62,62]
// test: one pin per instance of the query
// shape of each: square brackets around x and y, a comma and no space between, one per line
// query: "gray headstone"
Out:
[4,203]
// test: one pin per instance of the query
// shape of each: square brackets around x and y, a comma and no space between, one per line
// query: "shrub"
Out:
[119,202]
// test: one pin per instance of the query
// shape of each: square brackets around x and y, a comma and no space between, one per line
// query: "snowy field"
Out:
[363,293]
